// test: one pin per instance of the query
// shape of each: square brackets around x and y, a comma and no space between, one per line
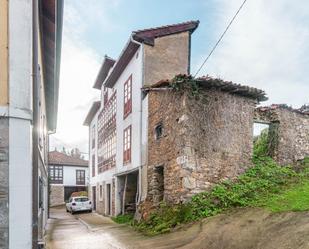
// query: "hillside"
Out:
[253,228]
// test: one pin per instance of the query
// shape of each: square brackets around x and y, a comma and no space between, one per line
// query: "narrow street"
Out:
[92,231]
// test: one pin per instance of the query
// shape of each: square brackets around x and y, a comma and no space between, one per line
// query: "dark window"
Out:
[127,145]
[93,165]
[101,192]
[159,130]
[127,97]
[80,177]
[56,174]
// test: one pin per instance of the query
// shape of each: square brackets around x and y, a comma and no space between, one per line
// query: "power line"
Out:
[221,37]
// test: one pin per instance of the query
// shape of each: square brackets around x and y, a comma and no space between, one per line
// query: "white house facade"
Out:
[118,130]
[67,174]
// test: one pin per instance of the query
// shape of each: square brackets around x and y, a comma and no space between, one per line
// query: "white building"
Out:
[118,122]
[67,174]
[30,47]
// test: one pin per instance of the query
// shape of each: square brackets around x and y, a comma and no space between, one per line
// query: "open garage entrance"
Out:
[128,192]
[68,190]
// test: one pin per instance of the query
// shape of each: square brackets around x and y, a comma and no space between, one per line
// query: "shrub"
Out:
[264,180]
[80,193]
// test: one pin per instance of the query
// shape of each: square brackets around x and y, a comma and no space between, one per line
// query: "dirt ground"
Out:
[239,229]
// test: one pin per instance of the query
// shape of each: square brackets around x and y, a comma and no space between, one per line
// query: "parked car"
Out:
[78,203]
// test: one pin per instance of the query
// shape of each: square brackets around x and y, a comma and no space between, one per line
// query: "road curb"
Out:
[85,224]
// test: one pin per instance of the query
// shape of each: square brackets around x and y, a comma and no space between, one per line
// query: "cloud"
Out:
[266,47]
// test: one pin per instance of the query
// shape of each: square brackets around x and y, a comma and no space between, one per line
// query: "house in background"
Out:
[67,174]
[30,48]
[118,123]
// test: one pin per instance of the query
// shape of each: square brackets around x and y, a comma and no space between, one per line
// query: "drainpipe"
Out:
[141,120]
[35,156]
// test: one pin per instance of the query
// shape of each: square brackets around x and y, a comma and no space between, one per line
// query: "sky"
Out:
[267,47]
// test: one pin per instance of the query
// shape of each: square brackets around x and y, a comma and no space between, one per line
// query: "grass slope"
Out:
[266,185]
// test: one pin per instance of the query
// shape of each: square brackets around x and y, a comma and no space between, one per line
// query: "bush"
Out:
[251,189]
[80,193]
[123,219]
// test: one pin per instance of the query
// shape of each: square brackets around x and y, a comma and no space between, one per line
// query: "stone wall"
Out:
[291,131]
[56,195]
[4,182]
[205,140]
[168,57]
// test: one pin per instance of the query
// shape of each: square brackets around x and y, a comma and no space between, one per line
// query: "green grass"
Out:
[264,185]
[295,198]
[123,219]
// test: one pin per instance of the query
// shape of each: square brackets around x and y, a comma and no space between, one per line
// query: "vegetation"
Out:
[260,147]
[264,185]
[80,193]
[123,219]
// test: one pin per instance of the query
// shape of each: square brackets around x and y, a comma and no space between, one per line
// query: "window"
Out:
[56,174]
[158,131]
[127,97]
[93,165]
[80,177]
[127,145]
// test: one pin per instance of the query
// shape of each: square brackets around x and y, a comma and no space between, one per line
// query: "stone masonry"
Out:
[4,182]
[56,195]
[205,139]
[290,131]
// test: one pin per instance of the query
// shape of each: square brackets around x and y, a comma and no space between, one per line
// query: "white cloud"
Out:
[266,47]
[79,67]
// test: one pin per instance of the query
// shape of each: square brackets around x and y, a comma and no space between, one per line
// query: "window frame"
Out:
[52,177]
[82,180]
[127,97]
[127,144]
[157,135]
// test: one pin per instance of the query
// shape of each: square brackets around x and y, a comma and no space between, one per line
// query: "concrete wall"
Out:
[291,134]
[204,141]
[4,53]
[4,183]
[167,58]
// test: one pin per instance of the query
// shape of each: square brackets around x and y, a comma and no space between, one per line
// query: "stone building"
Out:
[288,134]
[118,122]
[30,48]
[200,131]
[67,174]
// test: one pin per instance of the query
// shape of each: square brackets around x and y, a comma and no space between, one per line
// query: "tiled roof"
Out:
[219,84]
[56,157]
[107,64]
[148,35]
[93,110]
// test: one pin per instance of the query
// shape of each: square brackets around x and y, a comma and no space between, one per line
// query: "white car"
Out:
[78,203]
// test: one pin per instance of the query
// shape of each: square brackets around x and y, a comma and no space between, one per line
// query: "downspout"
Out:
[141,124]
[35,89]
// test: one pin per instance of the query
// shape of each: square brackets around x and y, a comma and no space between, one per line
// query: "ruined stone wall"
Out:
[4,182]
[205,140]
[56,195]
[292,131]
[165,108]
[168,57]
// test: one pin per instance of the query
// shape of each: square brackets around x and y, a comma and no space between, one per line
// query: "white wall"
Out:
[20,114]
[69,175]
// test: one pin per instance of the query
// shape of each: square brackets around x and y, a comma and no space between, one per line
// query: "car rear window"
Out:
[81,199]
